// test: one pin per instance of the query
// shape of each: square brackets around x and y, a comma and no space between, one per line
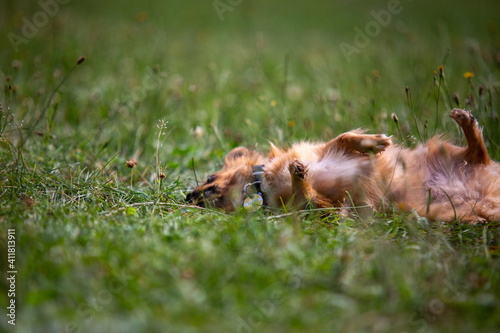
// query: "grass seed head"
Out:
[16,64]
[80,60]
[469,100]
[131,163]
[395,118]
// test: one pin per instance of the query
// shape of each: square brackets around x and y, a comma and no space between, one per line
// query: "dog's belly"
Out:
[422,176]
[338,174]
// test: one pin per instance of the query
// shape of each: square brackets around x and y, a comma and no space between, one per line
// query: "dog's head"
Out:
[224,189]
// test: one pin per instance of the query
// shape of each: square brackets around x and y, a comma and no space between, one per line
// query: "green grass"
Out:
[103,248]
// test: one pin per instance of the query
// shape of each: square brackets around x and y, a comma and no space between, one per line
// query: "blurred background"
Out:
[177,84]
[244,72]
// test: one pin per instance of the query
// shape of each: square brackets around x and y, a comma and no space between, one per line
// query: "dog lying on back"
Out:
[438,179]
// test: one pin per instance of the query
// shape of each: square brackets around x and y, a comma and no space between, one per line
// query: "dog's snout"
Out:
[192,196]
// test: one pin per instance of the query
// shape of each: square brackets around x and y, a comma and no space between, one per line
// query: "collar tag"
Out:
[253,203]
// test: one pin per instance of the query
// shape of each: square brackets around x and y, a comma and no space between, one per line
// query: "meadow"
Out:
[110,111]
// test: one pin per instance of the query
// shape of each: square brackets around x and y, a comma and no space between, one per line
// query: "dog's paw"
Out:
[297,169]
[375,143]
[463,118]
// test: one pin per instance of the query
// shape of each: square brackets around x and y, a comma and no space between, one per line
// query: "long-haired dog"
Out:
[438,179]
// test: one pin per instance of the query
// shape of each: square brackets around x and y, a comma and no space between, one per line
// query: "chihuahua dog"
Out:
[439,180]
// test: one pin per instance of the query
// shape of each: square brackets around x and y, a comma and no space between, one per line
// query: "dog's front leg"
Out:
[302,191]
[300,195]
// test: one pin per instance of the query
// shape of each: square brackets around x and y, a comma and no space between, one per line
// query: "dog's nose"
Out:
[190,197]
[193,196]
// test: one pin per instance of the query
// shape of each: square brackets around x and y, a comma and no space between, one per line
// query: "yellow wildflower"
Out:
[468,75]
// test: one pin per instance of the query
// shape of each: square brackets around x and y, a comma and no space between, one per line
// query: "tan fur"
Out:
[439,180]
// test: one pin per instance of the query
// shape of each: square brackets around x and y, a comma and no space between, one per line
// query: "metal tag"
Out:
[253,203]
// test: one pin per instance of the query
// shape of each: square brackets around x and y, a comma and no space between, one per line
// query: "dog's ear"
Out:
[235,154]
[275,151]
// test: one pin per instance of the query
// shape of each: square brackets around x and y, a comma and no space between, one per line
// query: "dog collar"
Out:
[255,201]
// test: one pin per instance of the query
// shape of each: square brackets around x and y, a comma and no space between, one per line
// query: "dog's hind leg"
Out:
[358,141]
[476,151]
